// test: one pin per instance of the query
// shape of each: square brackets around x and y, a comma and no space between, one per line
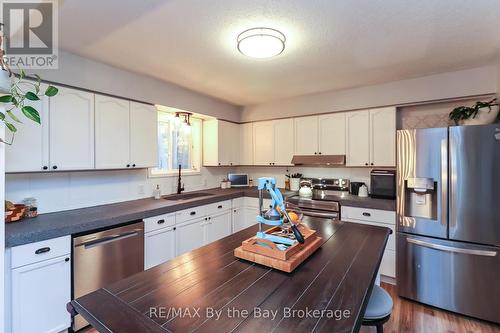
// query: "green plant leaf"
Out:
[51,91]
[13,116]
[11,127]
[6,99]
[31,113]
[31,96]
[2,116]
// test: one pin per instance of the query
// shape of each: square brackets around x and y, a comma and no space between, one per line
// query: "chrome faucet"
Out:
[180,187]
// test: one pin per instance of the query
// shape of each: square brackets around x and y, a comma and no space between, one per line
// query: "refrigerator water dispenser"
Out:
[421,198]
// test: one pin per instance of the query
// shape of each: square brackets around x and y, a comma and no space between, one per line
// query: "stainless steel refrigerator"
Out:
[448,215]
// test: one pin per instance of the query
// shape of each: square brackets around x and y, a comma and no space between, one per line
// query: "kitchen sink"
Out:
[187,196]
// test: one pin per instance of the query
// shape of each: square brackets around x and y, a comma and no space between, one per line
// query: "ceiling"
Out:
[331,44]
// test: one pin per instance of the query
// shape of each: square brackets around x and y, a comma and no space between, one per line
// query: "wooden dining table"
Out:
[210,290]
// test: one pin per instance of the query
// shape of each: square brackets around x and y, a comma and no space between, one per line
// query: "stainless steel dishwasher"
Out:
[102,258]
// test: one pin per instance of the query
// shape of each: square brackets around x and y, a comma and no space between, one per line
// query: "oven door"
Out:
[320,213]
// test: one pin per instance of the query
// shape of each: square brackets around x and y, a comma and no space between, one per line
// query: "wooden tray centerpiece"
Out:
[266,253]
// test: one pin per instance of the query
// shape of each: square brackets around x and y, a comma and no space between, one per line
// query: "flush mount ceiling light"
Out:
[261,42]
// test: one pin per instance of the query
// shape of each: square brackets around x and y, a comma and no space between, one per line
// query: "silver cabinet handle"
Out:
[320,214]
[109,239]
[447,248]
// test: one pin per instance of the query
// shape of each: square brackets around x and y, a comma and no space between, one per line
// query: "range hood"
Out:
[319,160]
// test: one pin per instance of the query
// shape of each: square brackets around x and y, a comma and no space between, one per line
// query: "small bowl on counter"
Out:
[15,214]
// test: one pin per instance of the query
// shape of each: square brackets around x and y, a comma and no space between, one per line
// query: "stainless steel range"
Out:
[325,195]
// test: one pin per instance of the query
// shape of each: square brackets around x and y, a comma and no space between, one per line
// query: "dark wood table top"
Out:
[209,290]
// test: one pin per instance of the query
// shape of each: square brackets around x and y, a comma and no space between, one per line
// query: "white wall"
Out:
[482,80]
[84,73]
[70,190]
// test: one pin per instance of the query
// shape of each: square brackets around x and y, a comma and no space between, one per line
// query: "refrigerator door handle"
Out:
[446,248]
[444,182]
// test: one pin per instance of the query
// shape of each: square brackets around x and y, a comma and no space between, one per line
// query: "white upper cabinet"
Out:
[383,136]
[370,137]
[246,144]
[30,147]
[358,138]
[71,130]
[306,135]
[112,137]
[221,143]
[283,141]
[263,138]
[143,135]
[332,134]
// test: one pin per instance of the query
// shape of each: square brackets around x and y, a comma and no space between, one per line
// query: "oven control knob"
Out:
[336,182]
[343,182]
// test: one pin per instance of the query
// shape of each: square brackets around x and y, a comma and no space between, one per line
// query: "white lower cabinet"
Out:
[217,227]
[159,246]
[189,236]
[377,217]
[39,286]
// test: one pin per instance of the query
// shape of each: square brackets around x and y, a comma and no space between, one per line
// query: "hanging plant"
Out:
[20,91]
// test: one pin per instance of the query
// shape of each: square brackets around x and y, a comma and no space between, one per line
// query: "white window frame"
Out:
[196,150]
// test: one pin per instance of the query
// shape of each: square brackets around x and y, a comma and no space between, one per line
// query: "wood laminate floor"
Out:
[414,317]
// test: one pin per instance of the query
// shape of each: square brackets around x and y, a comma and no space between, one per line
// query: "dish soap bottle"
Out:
[157,192]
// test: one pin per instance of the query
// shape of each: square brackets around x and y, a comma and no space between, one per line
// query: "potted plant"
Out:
[16,91]
[479,114]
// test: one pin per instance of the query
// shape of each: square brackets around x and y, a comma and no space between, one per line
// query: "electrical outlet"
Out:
[140,189]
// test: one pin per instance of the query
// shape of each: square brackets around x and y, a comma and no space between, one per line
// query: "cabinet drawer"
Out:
[158,222]
[388,264]
[190,213]
[34,252]
[369,215]
[217,207]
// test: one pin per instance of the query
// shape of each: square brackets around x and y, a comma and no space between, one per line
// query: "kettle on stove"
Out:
[305,189]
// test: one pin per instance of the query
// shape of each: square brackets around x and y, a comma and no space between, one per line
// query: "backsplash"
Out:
[70,190]
[353,174]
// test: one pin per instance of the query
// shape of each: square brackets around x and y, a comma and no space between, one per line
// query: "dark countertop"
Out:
[83,220]
[337,277]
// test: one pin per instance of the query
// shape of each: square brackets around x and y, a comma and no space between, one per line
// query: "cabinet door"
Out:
[71,130]
[283,141]
[238,219]
[263,138]
[30,146]
[143,135]
[357,138]
[224,131]
[332,134]
[234,150]
[246,144]
[112,137]
[40,293]
[218,226]
[210,143]
[383,136]
[159,246]
[306,135]
[250,216]
[189,236]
